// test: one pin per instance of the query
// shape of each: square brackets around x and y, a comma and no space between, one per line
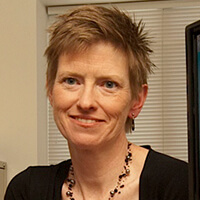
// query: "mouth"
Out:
[86,120]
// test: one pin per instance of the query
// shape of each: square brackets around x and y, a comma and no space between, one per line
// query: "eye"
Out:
[71,81]
[110,84]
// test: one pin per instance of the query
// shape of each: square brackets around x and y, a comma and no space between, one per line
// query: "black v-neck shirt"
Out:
[162,178]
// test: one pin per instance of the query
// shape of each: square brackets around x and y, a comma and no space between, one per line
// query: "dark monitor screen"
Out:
[198,66]
[193,103]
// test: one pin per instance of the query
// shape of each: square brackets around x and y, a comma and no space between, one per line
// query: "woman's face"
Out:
[91,96]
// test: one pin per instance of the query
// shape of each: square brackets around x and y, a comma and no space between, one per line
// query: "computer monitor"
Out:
[193,103]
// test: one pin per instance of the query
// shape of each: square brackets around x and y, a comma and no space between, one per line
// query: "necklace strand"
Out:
[120,183]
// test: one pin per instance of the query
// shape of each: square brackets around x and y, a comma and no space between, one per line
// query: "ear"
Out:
[138,103]
[49,93]
[50,96]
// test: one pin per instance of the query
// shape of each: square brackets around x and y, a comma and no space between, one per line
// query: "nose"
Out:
[87,99]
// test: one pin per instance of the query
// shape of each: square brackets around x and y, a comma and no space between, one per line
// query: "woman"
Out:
[98,63]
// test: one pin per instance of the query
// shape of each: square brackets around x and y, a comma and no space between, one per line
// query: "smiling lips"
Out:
[86,120]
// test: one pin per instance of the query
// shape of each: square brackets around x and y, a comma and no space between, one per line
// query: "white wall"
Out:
[41,80]
[18,84]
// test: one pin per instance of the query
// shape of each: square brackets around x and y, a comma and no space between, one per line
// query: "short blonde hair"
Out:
[77,30]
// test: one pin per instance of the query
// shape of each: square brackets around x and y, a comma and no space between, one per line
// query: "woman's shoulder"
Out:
[35,178]
[165,176]
[41,172]
[165,163]
[159,159]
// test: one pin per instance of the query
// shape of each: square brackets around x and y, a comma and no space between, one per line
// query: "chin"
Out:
[86,143]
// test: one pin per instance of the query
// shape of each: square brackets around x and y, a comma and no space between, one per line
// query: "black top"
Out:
[162,178]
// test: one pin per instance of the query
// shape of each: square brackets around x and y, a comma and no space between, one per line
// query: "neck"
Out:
[98,169]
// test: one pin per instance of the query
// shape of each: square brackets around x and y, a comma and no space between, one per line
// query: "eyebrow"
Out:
[68,73]
[112,77]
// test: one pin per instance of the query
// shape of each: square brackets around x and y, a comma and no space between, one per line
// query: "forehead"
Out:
[101,57]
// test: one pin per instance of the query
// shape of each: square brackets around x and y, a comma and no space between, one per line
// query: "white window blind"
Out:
[163,120]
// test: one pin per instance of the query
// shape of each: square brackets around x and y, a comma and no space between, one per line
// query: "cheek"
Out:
[61,100]
[117,106]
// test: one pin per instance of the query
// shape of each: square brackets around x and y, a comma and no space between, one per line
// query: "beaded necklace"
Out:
[120,183]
